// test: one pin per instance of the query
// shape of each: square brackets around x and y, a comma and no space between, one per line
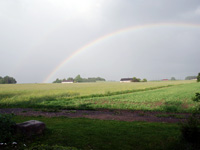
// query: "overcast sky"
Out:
[37,35]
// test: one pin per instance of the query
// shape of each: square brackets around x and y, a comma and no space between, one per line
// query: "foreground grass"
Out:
[105,135]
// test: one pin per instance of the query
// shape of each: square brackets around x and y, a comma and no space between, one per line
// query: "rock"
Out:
[30,128]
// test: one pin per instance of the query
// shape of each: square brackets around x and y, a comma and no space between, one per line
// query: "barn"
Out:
[126,80]
[67,81]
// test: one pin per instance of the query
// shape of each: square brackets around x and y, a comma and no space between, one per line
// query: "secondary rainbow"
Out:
[112,34]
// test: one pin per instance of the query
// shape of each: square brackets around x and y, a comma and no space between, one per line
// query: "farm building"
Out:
[164,79]
[67,81]
[126,80]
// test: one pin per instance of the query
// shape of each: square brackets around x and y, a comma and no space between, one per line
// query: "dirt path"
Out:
[122,115]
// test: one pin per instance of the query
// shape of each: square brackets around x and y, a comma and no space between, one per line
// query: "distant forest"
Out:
[7,80]
[190,77]
[78,78]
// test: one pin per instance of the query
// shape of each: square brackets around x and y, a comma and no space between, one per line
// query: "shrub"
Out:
[6,128]
[191,130]
[196,98]
[198,77]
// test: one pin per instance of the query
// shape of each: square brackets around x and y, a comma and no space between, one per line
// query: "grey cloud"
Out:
[37,35]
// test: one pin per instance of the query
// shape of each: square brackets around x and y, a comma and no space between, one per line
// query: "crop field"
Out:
[166,96]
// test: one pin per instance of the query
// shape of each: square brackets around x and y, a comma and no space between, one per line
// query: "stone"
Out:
[30,128]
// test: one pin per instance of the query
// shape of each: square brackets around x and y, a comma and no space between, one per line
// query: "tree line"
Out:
[7,80]
[78,78]
[138,80]
[193,77]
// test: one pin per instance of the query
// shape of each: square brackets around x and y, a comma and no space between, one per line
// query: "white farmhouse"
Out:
[126,80]
[67,81]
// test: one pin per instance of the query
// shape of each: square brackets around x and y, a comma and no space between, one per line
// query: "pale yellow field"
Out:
[81,88]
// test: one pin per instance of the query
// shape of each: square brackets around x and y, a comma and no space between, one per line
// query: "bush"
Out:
[196,98]
[191,130]
[6,128]
[198,78]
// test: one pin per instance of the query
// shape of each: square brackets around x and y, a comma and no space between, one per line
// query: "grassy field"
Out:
[78,88]
[170,99]
[157,96]
[87,134]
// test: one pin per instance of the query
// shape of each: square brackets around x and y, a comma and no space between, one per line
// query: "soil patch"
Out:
[121,115]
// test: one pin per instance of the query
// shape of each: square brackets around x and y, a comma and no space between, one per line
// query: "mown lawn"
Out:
[90,134]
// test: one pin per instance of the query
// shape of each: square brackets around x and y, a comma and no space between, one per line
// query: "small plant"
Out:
[6,128]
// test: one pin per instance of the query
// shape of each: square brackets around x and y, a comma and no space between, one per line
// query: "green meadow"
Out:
[169,96]
[91,134]
[88,134]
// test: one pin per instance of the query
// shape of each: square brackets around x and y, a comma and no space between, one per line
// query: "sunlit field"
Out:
[158,96]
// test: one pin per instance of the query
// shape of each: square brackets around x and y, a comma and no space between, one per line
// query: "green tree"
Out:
[144,80]
[190,77]
[70,78]
[136,79]
[78,78]
[198,77]
[1,80]
[7,80]
[173,78]
[57,81]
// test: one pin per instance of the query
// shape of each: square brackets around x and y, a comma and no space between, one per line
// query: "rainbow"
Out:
[112,34]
